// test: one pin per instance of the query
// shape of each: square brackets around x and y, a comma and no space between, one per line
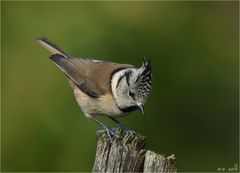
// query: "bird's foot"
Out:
[126,130]
[110,133]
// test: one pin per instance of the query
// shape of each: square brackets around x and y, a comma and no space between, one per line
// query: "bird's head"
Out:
[131,87]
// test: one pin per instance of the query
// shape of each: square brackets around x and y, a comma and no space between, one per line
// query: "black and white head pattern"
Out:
[131,87]
[143,82]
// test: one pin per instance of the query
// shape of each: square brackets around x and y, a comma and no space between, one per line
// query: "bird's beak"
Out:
[141,108]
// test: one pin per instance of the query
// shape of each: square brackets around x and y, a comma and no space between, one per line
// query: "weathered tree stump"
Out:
[129,154]
[158,163]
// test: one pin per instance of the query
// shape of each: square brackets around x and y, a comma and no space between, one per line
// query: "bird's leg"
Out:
[120,125]
[108,130]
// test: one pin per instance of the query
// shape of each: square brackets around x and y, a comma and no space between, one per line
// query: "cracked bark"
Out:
[129,154]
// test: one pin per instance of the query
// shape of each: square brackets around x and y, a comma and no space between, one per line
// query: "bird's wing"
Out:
[90,76]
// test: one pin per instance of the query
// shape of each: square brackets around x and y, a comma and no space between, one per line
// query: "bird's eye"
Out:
[131,94]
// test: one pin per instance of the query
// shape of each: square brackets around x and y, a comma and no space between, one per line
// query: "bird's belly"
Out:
[104,105]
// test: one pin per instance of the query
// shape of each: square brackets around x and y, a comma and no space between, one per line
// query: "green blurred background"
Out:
[193,110]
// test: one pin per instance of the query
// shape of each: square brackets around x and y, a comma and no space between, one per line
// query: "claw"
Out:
[126,130]
[129,132]
[99,133]
[110,133]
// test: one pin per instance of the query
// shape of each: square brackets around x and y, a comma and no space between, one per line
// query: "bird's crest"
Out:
[144,79]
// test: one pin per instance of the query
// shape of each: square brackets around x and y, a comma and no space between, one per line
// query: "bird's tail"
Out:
[52,47]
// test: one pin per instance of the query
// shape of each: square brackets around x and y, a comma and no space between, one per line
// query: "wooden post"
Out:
[129,154]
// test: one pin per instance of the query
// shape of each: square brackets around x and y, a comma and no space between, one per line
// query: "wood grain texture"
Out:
[129,154]
[159,163]
[124,155]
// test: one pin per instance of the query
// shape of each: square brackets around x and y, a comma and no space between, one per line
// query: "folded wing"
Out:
[90,76]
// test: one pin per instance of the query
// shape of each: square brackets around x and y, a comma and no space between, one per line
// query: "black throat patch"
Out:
[129,109]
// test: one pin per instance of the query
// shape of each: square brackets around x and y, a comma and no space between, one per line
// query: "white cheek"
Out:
[121,90]
[117,90]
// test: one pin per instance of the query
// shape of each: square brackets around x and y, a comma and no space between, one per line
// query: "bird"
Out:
[102,87]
